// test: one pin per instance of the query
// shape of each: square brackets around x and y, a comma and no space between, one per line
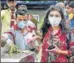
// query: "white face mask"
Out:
[54,21]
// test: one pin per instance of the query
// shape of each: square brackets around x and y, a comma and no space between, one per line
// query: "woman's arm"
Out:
[65,52]
[60,51]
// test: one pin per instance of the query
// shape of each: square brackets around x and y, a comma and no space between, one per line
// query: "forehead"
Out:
[55,12]
[11,2]
[21,16]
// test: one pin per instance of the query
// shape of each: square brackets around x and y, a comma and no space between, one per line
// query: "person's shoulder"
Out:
[4,11]
[63,36]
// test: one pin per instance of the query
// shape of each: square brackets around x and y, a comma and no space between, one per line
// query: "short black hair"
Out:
[71,4]
[11,0]
[22,10]
[20,13]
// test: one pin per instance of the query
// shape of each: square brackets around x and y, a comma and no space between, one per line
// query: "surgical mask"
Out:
[22,24]
[25,22]
[54,21]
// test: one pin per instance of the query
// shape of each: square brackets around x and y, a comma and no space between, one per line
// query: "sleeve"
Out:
[63,45]
[2,14]
[11,34]
[5,38]
[72,47]
[70,44]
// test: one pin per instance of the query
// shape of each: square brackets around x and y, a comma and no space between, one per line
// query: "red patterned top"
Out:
[62,46]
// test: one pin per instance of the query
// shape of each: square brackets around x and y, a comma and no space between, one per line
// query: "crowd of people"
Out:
[54,43]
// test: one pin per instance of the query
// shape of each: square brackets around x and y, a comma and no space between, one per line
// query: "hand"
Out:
[55,50]
[38,38]
[33,38]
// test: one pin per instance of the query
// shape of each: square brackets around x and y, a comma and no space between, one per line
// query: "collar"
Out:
[59,33]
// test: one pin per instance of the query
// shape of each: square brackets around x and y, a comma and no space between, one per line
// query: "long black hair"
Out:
[46,23]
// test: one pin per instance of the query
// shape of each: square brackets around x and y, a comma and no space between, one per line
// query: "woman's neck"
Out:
[55,29]
[22,31]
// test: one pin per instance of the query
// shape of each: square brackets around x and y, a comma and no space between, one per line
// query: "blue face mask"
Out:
[22,24]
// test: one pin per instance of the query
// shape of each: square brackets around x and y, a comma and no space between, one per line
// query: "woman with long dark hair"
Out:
[54,47]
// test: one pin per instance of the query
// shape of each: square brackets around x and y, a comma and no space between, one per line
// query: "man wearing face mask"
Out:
[16,37]
[8,15]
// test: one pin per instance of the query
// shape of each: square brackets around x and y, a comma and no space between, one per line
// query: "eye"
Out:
[57,16]
[24,19]
[51,15]
[20,20]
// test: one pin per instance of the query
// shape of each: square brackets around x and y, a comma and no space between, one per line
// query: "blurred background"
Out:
[38,8]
